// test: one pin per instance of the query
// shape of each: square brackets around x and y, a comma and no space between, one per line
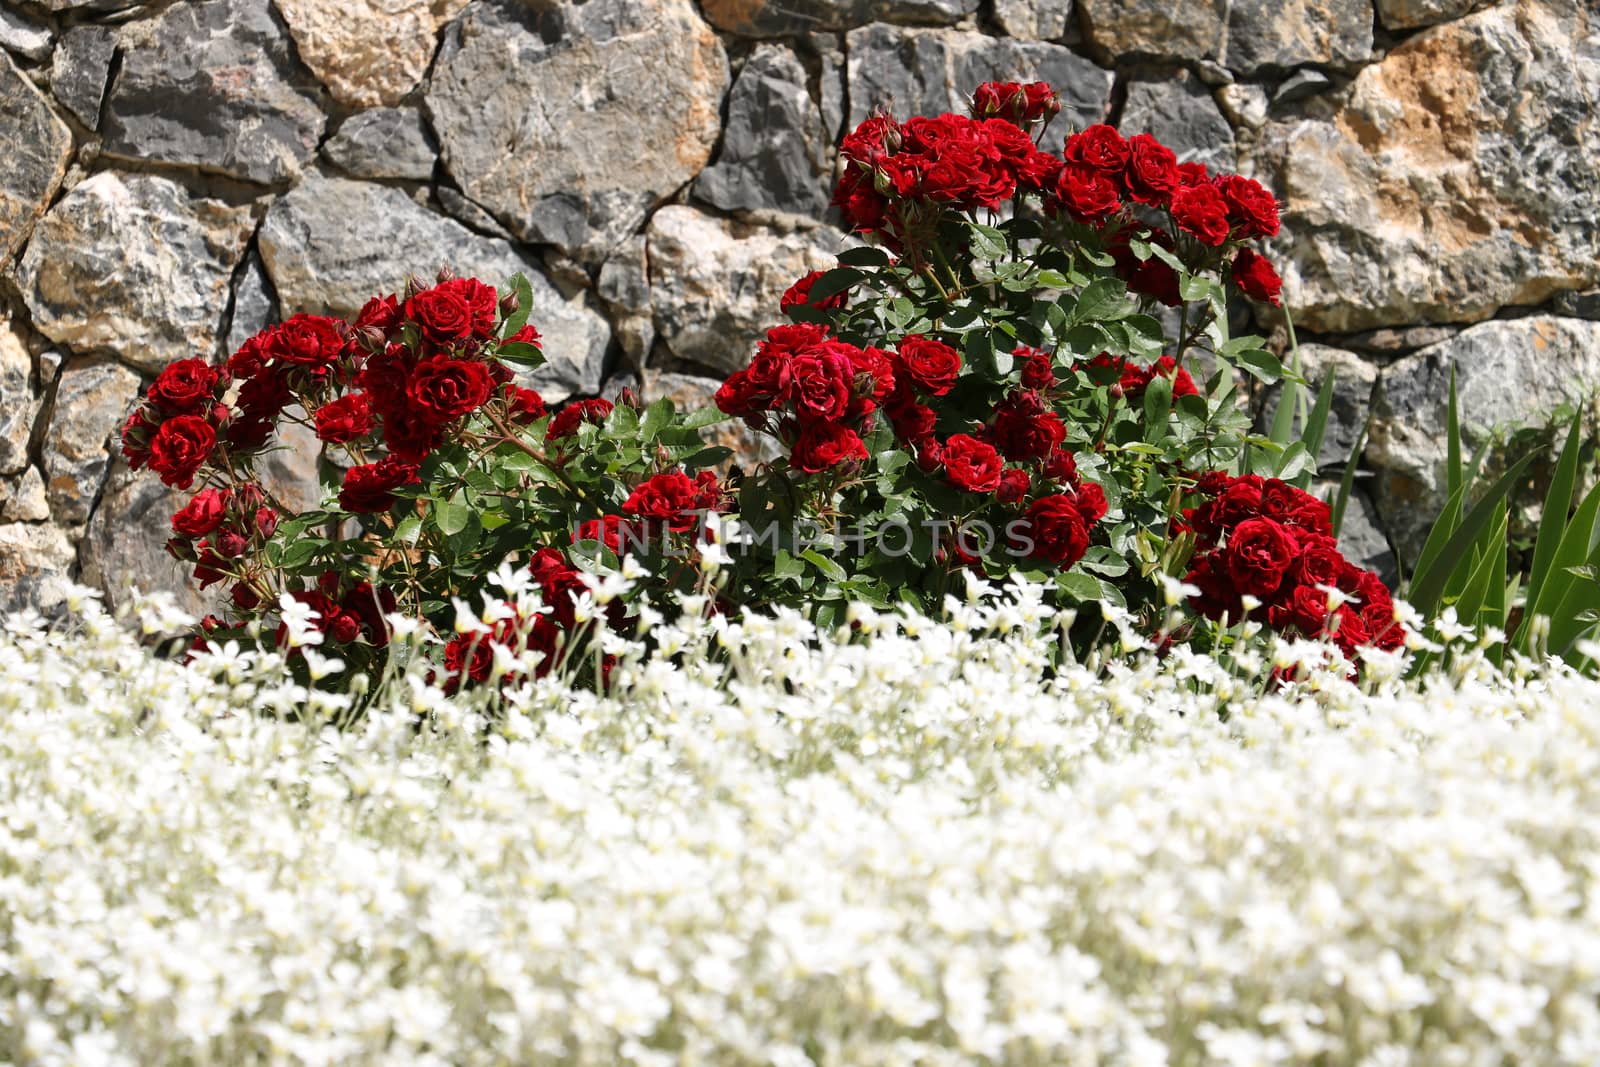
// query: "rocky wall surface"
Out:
[181,173]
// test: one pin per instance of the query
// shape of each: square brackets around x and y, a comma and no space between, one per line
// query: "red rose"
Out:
[1182,381]
[251,356]
[1351,632]
[1193,174]
[819,385]
[137,429]
[858,200]
[1086,194]
[308,341]
[911,421]
[609,530]
[444,314]
[1061,465]
[1201,210]
[443,390]
[230,543]
[671,498]
[873,369]
[930,365]
[1305,609]
[1250,207]
[266,521]
[1038,372]
[1091,501]
[202,514]
[526,405]
[1152,171]
[1025,429]
[186,387]
[180,447]
[409,434]
[1053,530]
[1278,498]
[370,487]
[1013,486]
[971,464]
[1259,554]
[823,445]
[1256,278]
[569,418]
[1151,277]
[1320,562]
[1100,146]
[344,419]
[799,295]
[381,313]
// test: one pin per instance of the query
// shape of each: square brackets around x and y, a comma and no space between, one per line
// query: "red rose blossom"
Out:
[186,387]
[311,341]
[370,487]
[1085,193]
[1251,209]
[180,447]
[971,464]
[823,445]
[345,419]
[1099,146]
[203,513]
[930,365]
[1256,278]
[1259,554]
[444,389]
[1152,171]
[1053,531]
[1200,210]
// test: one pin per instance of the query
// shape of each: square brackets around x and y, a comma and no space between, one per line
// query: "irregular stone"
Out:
[367,52]
[624,285]
[93,399]
[289,469]
[1394,341]
[1507,373]
[22,499]
[1244,104]
[1179,112]
[1299,85]
[1578,305]
[1353,379]
[125,544]
[780,18]
[174,257]
[1243,36]
[774,155]
[715,284]
[1414,14]
[19,404]
[1034,20]
[36,562]
[693,393]
[79,71]
[27,39]
[463,210]
[386,142]
[38,146]
[1283,34]
[831,85]
[255,304]
[646,76]
[331,244]
[926,72]
[214,85]
[1463,175]
[92,5]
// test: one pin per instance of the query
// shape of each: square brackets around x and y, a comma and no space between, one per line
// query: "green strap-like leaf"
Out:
[1428,584]
[1557,503]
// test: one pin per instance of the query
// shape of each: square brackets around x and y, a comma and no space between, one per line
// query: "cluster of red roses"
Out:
[1265,539]
[899,178]
[398,376]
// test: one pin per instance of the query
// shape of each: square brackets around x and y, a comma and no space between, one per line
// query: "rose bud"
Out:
[250,497]
[244,597]
[412,287]
[266,522]
[629,399]
[344,627]
[230,543]
[508,304]
[445,274]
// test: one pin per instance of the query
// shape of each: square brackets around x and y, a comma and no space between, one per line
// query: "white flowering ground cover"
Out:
[905,845]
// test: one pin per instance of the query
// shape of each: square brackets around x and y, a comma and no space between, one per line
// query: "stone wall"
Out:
[181,173]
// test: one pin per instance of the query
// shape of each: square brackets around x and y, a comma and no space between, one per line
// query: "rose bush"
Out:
[985,386]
